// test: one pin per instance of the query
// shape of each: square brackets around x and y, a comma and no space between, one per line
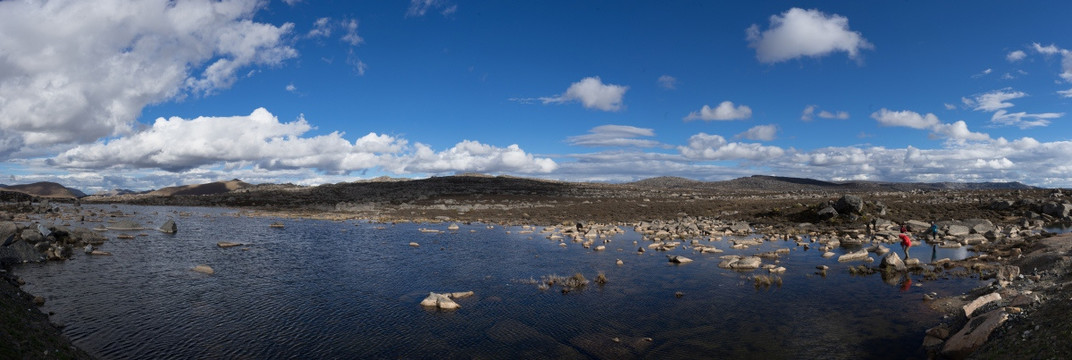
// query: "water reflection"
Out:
[323,289]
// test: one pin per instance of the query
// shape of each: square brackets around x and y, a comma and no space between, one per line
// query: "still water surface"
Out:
[323,289]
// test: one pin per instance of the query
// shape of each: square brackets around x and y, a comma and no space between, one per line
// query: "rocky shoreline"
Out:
[1015,316]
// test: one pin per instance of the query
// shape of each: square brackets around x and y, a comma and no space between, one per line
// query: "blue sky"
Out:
[141,95]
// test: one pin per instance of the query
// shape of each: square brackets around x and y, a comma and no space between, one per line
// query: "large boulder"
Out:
[957,230]
[849,204]
[917,225]
[827,213]
[1057,210]
[31,236]
[20,252]
[747,263]
[980,226]
[893,261]
[974,334]
[7,233]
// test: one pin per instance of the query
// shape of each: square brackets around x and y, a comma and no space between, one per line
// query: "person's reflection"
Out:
[934,252]
[907,284]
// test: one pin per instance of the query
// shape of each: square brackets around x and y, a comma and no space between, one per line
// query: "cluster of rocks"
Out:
[581,232]
[37,242]
[444,301]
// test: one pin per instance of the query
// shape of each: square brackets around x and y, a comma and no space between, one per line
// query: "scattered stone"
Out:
[453,227]
[277,225]
[38,300]
[169,227]
[678,259]
[619,262]
[105,253]
[414,244]
[227,244]
[823,267]
[828,254]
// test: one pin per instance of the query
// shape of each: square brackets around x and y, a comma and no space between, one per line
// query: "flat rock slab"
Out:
[980,302]
[974,334]
[854,256]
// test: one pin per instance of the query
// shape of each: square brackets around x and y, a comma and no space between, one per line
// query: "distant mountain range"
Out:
[782,183]
[758,183]
[45,189]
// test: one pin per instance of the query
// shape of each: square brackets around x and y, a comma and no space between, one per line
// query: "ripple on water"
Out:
[326,289]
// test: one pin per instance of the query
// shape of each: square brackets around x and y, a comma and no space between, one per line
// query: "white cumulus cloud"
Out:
[1015,56]
[905,118]
[995,100]
[260,140]
[76,71]
[724,111]
[957,131]
[798,32]
[704,146]
[760,133]
[592,93]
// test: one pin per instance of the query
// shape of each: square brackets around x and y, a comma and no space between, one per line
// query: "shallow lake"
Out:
[326,289]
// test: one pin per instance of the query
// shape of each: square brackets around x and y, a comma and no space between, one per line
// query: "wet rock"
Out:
[828,254]
[619,262]
[974,334]
[893,261]
[124,225]
[678,259]
[103,253]
[444,301]
[227,244]
[453,227]
[204,269]
[854,256]
[414,244]
[980,302]
[741,263]
[169,227]
[38,300]
[849,204]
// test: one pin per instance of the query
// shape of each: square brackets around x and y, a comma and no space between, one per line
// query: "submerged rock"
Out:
[204,269]
[227,244]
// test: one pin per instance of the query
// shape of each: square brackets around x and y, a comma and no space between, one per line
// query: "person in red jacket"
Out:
[906,242]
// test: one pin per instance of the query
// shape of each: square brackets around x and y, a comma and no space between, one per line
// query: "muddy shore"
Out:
[1006,226]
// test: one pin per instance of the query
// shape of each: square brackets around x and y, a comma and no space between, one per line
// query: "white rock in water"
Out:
[677,259]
